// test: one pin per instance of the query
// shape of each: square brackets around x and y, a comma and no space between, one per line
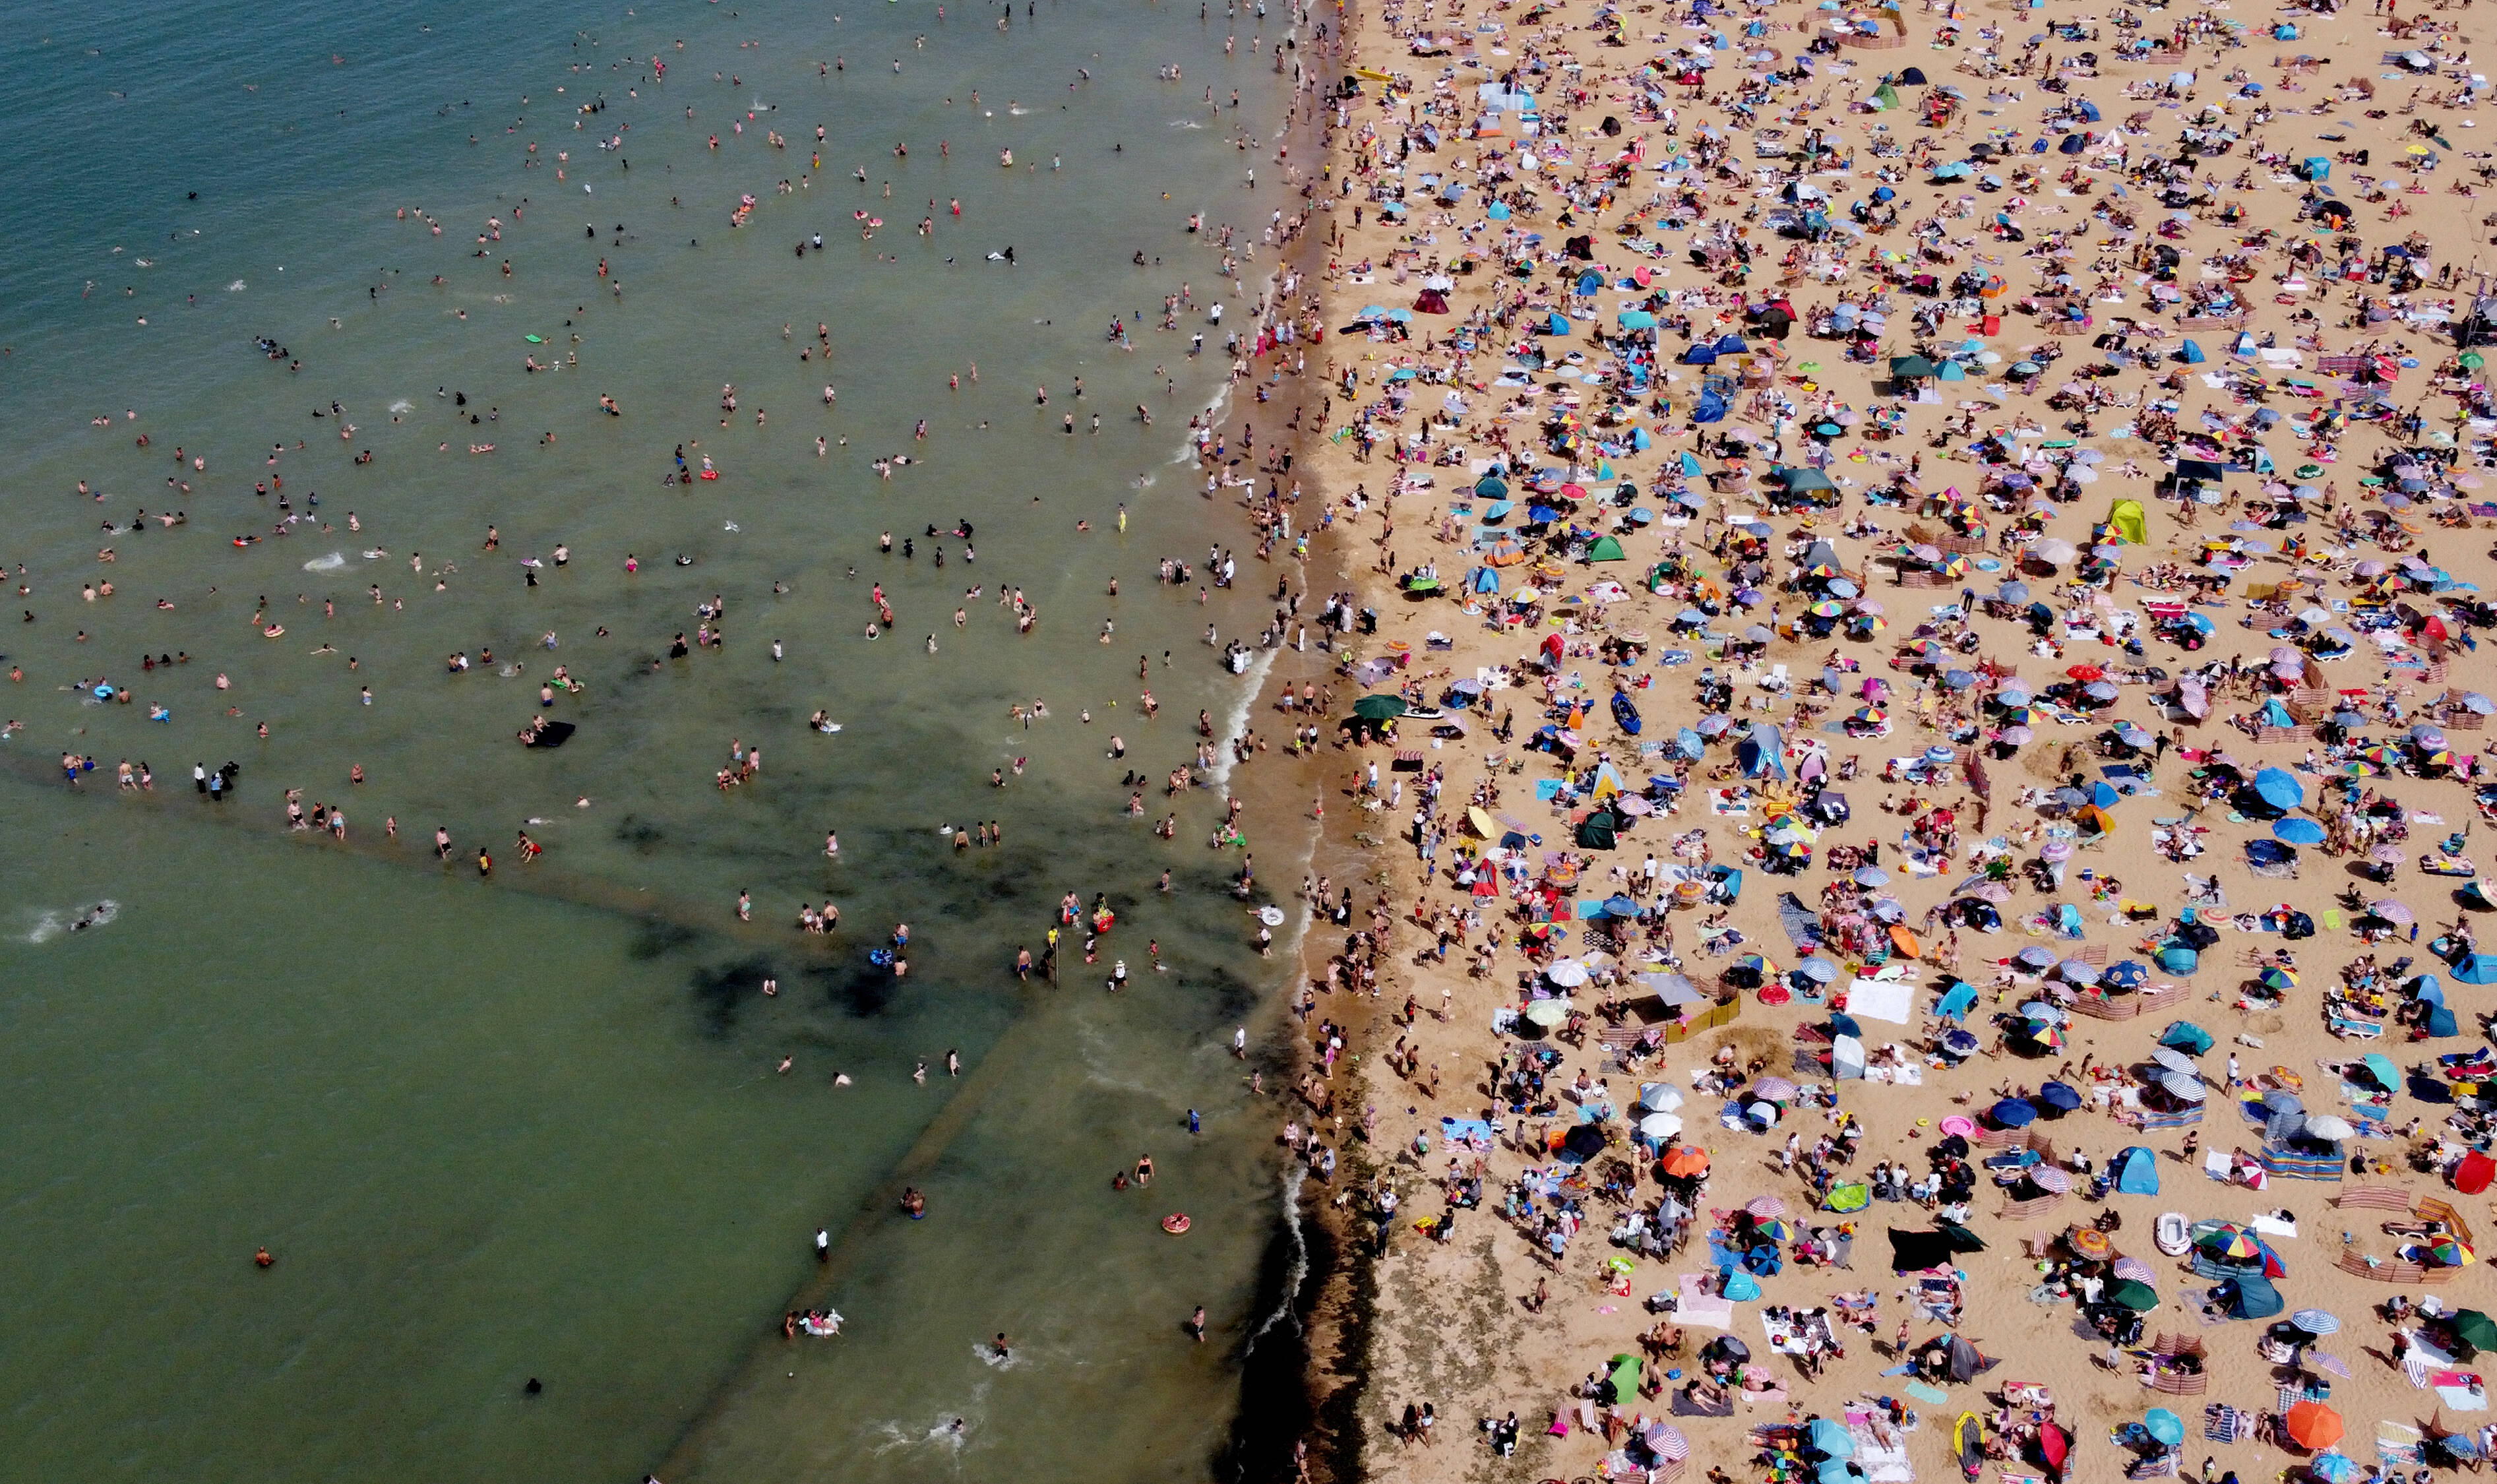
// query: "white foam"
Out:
[1294,1172]
[330,563]
[50,923]
[1235,720]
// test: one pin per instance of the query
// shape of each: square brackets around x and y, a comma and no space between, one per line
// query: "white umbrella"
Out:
[1661,1126]
[1660,1096]
[2324,1126]
[1569,973]
[2175,1060]
[1548,1013]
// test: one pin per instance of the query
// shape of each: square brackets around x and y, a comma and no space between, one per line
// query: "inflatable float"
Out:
[1176,1223]
[2172,1235]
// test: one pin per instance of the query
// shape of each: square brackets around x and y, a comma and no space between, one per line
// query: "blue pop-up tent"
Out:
[2135,1170]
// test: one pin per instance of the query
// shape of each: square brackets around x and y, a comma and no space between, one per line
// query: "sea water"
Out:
[534,1128]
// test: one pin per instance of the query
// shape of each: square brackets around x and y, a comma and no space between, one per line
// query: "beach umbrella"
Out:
[2139,1297]
[1666,1443]
[2125,975]
[2312,1425]
[1569,973]
[2276,977]
[2014,1113]
[1773,1089]
[2450,1252]
[1766,1207]
[2474,1329]
[1828,1436]
[1659,1125]
[2164,1426]
[1685,1162]
[2316,1321]
[1818,970]
[2175,1062]
[2279,788]
[2297,832]
[2041,1010]
[1379,708]
[2325,1361]
[2184,1088]
[2136,1269]
[1550,1014]
[2228,1244]
[2058,1096]
[2048,1178]
[2391,911]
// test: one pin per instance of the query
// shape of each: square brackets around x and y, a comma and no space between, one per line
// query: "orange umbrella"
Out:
[2312,1424]
[1688,1160]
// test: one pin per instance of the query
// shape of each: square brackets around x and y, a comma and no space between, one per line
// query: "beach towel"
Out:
[1802,924]
[1696,1306]
[1683,1405]
[1881,1463]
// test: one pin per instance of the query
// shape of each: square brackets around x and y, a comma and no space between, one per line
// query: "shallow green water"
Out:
[532,1129]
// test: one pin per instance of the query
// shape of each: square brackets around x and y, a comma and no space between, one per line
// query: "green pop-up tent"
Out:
[1606,549]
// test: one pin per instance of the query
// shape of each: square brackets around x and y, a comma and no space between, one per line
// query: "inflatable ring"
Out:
[1176,1223]
[273,631]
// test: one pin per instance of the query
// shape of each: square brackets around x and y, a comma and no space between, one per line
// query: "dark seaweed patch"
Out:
[719,992]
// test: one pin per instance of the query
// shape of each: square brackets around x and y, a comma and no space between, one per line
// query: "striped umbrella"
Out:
[1766,1207]
[2047,1178]
[1665,1442]
[2315,1321]
[1773,1089]
[2324,1361]
[2136,1269]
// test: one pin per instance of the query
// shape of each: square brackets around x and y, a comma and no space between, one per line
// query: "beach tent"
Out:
[1761,751]
[2248,1298]
[2190,353]
[1557,325]
[2089,110]
[2187,1037]
[1830,1436]
[1965,1362]
[2136,1171]
[1846,1196]
[1956,1002]
[1914,76]
[1606,549]
[2124,518]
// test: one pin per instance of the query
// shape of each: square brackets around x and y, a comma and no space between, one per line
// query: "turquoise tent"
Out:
[1559,324]
[2136,1171]
[2190,353]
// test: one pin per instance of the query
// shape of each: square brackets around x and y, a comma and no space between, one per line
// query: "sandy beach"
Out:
[1926,733]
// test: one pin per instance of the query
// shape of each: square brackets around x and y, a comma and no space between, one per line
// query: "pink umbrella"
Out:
[1767,1208]
[1665,1442]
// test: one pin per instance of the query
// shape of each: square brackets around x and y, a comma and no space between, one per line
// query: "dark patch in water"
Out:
[1277,1405]
[859,988]
[1234,998]
[659,938]
[719,992]
[640,833]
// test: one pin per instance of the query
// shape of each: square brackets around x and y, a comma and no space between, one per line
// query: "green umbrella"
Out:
[2473,361]
[1379,707]
[2475,1328]
[2133,1294]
